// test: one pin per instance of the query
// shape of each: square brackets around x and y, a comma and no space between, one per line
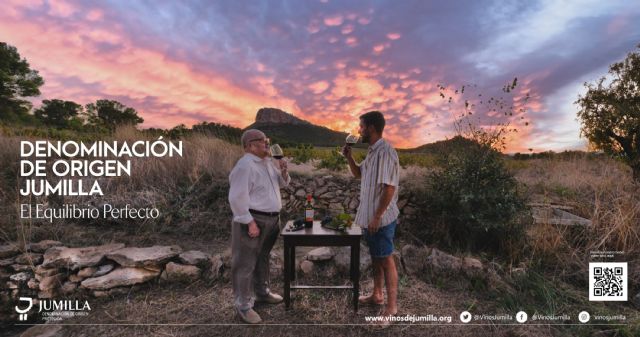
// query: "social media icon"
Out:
[584,317]
[521,317]
[465,317]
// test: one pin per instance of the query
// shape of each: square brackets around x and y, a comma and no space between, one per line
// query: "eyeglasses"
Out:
[265,140]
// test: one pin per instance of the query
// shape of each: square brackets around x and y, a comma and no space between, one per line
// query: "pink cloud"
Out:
[364,21]
[95,15]
[393,36]
[318,87]
[351,41]
[333,21]
[379,48]
[136,73]
[347,29]
[61,8]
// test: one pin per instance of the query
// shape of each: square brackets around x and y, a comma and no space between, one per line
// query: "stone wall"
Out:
[333,195]
[49,270]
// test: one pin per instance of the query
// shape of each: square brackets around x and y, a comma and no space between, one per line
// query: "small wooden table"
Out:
[319,236]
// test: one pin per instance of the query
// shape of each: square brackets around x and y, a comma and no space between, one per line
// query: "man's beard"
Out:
[366,138]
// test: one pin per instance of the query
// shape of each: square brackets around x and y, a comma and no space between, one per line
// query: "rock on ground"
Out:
[320,254]
[194,258]
[154,256]
[76,258]
[180,272]
[120,277]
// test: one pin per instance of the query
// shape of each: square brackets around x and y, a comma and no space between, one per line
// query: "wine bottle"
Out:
[308,213]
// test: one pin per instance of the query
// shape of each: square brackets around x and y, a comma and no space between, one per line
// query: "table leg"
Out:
[287,275]
[292,259]
[355,273]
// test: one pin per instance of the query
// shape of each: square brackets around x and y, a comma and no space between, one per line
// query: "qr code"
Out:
[608,281]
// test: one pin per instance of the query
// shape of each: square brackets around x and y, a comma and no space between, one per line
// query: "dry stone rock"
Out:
[194,258]
[328,195]
[42,246]
[51,282]
[29,258]
[20,277]
[148,257]
[472,264]
[87,272]
[7,262]
[8,250]
[42,271]
[354,203]
[320,254]
[413,258]
[103,270]
[320,191]
[180,272]
[76,278]
[119,277]
[336,206]
[307,267]
[68,287]
[441,261]
[21,267]
[33,284]
[342,259]
[76,258]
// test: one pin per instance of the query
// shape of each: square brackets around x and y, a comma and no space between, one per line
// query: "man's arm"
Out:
[239,199]
[385,200]
[353,167]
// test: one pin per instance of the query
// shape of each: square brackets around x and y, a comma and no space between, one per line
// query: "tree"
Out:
[17,80]
[57,112]
[610,112]
[110,114]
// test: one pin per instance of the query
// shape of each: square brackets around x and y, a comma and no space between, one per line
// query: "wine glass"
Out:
[351,139]
[276,151]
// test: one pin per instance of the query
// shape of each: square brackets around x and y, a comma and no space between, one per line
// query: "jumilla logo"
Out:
[52,308]
[22,313]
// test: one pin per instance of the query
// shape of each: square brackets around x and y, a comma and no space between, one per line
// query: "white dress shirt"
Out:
[255,184]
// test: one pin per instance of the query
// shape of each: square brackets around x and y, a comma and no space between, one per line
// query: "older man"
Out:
[378,210]
[255,200]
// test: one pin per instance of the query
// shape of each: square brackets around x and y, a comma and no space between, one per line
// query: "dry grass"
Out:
[183,188]
[601,190]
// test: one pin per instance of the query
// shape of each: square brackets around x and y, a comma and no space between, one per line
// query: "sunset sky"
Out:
[329,61]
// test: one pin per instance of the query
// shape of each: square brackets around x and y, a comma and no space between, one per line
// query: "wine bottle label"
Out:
[308,214]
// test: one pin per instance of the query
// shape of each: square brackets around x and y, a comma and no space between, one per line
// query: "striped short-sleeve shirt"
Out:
[380,166]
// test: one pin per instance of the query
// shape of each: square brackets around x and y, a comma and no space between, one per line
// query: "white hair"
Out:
[248,134]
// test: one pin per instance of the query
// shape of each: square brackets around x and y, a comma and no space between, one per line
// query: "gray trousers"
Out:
[250,259]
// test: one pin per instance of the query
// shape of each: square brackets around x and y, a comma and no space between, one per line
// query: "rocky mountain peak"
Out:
[277,116]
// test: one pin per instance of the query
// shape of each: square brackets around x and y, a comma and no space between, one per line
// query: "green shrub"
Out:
[333,161]
[472,203]
[302,153]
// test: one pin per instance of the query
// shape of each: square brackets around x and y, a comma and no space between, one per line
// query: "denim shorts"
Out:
[381,243]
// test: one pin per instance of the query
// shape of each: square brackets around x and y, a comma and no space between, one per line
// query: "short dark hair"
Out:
[374,118]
